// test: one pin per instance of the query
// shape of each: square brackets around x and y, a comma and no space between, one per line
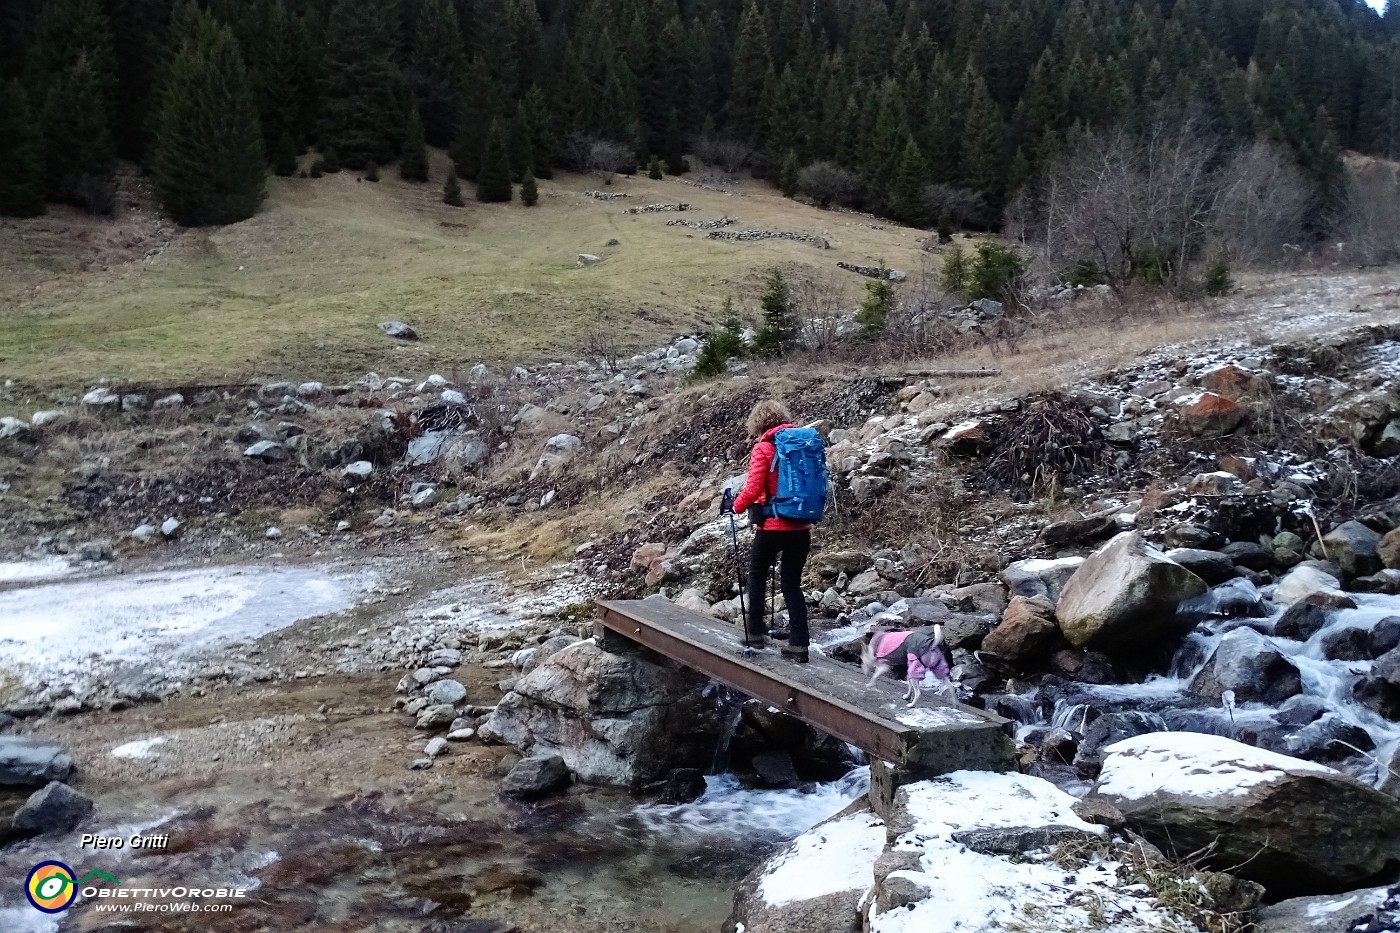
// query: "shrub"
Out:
[1217,281]
[875,310]
[372,173]
[315,170]
[330,161]
[654,169]
[945,228]
[828,183]
[452,189]
[995,272]
[723,345]
[529,191]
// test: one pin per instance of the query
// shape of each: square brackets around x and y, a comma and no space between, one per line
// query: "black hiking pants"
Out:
[792,547]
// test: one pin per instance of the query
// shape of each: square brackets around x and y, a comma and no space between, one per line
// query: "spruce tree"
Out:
[529,191]
[751,66]
[654,169]
[983,144]
[787,175]
[436,68]
[907,198]
[874,312]
[21,155]
[79,155]
[519,148]
[209,165]
[779,326]
[475,104]
[362,105]
[282,153]
[673,150]
[542,142]
[413,164]
[452,189]
[493,180]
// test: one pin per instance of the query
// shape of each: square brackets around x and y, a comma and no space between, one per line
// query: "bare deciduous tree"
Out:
[963,206]
[590,154]
[1371,226]
[729,154]
[828,183]
[1263,203]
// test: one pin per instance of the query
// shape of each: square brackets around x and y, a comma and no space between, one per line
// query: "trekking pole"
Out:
[727,505]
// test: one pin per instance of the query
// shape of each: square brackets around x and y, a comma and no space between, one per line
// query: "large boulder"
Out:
[55,809]
[1293,826]
[535,776]
[1310,583]
[1354,547]
[557,452]
[614,719]
[1123,595]
[1333,913]
[1110,729]
[1248,664]
[31,763]
[1040,577]
[814,884]
[1389,549]
[1207,414]
[1027,631]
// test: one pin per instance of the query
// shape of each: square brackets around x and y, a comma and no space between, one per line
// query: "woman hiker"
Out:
[774,537]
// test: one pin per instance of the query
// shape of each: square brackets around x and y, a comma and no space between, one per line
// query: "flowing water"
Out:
[299,789]
[1327,681]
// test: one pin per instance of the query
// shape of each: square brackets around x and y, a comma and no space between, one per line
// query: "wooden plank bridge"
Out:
[936,736]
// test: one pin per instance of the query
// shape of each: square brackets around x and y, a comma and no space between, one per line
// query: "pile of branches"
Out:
[1049,443]
[445,417]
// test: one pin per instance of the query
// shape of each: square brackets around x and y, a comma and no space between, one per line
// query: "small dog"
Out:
[910,655]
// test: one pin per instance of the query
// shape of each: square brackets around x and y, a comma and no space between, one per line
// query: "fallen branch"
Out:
[953,373]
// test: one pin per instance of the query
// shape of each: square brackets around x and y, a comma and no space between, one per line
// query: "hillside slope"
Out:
[301,287]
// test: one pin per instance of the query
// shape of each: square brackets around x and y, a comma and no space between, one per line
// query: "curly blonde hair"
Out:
[768,413]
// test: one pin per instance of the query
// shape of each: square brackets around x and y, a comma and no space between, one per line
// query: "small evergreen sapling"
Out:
[452,189]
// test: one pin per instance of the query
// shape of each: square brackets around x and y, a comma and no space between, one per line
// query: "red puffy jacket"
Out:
[762,484]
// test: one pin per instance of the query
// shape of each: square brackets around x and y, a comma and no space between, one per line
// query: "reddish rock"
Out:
[1389,549]
[1241,468]
[1027,630]
[1232,382]
[1210,415]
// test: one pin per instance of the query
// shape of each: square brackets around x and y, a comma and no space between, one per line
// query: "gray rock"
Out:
[56,809]
[1293,826]
[13,428]
[558,451]
[1211,566]
[1355,548]
[548,649]
[436,717]
[170,528]
[102,398]
[446,693]
[358,471]
[1301,621]
[1328,738]
[1124,595]
[31,763]
[398,330]
[1330,913]
[588,259]
[1039,577]
[1309,583]
[1109,729]
[1249,554]
[145,533]
[1022,840]
[536,776]
[94,551]
[436,747]
[1351,643]
[1248,664]
[267,451]
[865,487]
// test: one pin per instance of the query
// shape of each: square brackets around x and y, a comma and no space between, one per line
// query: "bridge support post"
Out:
[929,753]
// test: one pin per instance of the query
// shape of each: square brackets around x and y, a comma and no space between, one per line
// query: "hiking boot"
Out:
[795,654]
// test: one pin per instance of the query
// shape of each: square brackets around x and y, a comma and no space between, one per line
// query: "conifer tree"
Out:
[493,181]
[283,155]
[751,66]
[529,191]
[779,326]
[413,164]
[209,165]
[362,104]
[673,150]
[452,189]
[21,155]
[436,68]
[654,169]
[907,198]
[983,143]
[474,114]
[874,311]
[79,156]
[787,175]
[541,125]
[519,145]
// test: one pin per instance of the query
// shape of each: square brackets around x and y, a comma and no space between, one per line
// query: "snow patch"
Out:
[1193,764]
[834,857]
[141,748]
[18,571]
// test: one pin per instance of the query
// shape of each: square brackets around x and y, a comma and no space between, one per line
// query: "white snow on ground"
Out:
[834,857]
[1193,764]
[141,748]
[932,717]
[61,630]
[15,571]
[975,893]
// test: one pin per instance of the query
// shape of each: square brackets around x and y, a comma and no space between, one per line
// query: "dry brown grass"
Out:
[298,290]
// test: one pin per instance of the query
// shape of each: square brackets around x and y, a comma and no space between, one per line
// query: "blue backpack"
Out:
[801,464]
